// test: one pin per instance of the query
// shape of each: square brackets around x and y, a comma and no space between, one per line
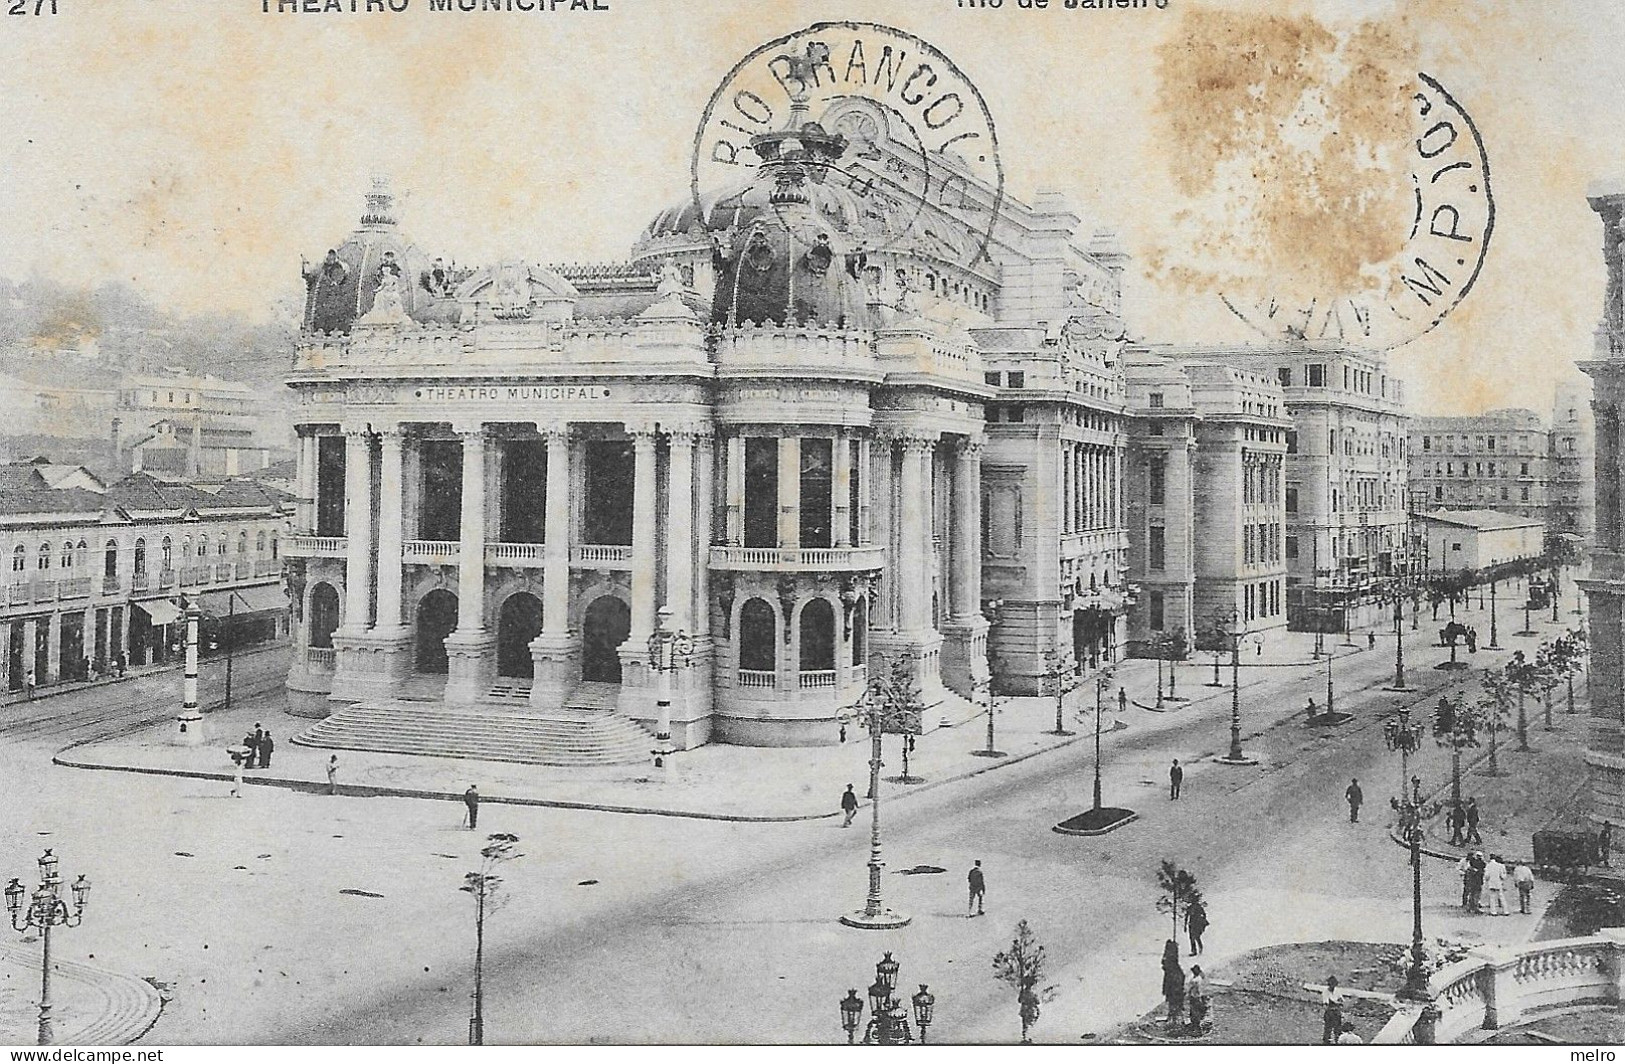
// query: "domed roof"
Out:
[341,287]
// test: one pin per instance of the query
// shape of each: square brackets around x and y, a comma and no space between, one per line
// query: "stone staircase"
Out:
[495,730]
[593,698]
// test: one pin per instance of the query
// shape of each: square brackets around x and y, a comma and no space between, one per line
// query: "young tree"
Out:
[1178,892]
[1022,967]
[483,884]
[1524,677]
[1496,700]
[1546,679]
[1456,724]
[1568,658]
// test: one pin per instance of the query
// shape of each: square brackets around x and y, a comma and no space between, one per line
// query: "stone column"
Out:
[357,530]
[390,487]
[305,488]
[30,652]
[967,531]
[866,492]
[913,566]
[645,514]
[680,529]
[553,652]
[707,446]
[471,661]
[841,492]
[789,493]
[53,648]
[736,489]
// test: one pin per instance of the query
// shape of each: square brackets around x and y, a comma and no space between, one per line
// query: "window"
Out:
[1291,442]
[1455,546]
[1155,400]
[1158,548]
[1427,443]
[168,553]
[203,546]
[19,559]
[1505,495]
[1284,375]
[1292,548]
[44,561]
[1156,611]
[1523,469]
[1157,486]
[66,562]
[1523,493]
[242,542]
[1015,379]
[140,557]
[1317,375]
[991,379]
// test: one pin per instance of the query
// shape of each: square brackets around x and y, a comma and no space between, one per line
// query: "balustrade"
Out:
[773,559]
[321,658]
[758,678]
[431,551]
[314,546]
[515,555]
[814,679]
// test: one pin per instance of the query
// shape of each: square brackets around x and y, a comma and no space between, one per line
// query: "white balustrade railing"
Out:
[758,679]
[787,558]
[321,658]
[813,679]
[315,546]
[600,554]
[525,555]
[430,550]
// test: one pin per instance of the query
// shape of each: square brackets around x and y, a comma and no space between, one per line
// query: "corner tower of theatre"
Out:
[772,422]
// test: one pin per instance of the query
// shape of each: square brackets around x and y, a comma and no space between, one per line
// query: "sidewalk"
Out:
[91,1005]
[785,784]
[133,672]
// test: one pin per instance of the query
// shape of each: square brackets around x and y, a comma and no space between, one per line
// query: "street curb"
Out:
[363,791]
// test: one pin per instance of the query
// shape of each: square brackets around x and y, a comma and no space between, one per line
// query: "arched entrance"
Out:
[436,619]
[324,615]
[519,622]
[604,628]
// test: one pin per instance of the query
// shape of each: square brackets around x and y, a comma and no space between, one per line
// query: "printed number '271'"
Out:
[20,7]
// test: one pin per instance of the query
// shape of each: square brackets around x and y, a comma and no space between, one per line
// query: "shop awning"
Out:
[242,600]
[160,611]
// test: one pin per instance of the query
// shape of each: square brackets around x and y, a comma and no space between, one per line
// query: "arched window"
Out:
[44,556]
[141,557]
[110,560]
[758,627]
[81,554]
[168,550]
[817,636]
[324,615]
[19,559]
[203,546]
[273,546]
[66,560]
[186,548]
[221,549]
[242,543]
[259,542]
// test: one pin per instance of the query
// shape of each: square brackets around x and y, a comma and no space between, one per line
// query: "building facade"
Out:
[1573,495]
[1206,499]
[1344,470]
[92,577]
[807,448]
[1478,539]
[1498,460]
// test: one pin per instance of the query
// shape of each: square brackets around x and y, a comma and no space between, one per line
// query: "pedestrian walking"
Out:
[1475,882]
[1195,924]
[1354,796]
[1122,700]
[978,889]
[333,774]
[849,806]
[1173,982]
[471,799]
[1495,884]
[1464,869]
[28,686]
[122,664]
[1458,824]
[1331,1012]
[1176,779]
[1472,822]
[251,743]
[1371,640]
[1523,877]
[237,776]
[843,731]
[267,744]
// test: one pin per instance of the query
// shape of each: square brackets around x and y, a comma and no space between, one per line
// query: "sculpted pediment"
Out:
[517,291]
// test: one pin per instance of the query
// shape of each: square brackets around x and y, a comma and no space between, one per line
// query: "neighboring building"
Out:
[35,406]
[1206,499]
[199,449]
[1605,581]
[1573,494]
[1497,460]
[1345,472]
[93,575]
[812,445]
[1478,539]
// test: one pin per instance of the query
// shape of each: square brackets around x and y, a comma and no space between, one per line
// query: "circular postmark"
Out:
[878,114]
[1435,265]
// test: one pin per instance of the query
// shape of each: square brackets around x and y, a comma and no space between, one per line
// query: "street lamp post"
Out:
[190,718]
[45,910]
[1330,703]
[874,914]
[985,688]
[1495,638]
[1103,680]
[1228,625]
[668,651]
[1402,735]
[1412,812]
[888,1024]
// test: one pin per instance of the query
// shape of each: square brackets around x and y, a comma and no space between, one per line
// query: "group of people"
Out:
[1188,1003]
[1463,820]
[259,746]
[1484,883]
[1335,1030]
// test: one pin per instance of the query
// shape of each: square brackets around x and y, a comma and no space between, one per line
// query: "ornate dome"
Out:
[341,287]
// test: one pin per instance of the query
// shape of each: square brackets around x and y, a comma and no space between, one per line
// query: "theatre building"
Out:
[775,429]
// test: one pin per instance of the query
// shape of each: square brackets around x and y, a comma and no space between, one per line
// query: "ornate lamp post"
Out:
[1412,813]
[1495,637]
[668,651]
[1401,734]
[889,700]
[190,717]
[985,689]
[46,910]
[1397,591]
[1228,626]
[888,1024]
